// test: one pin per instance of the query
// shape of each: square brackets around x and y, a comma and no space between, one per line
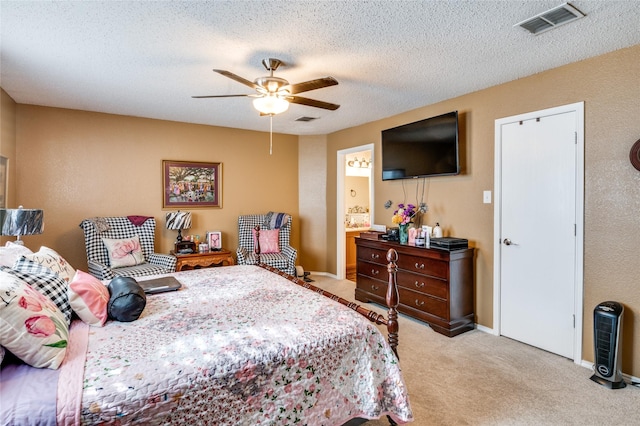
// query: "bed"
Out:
[237,345]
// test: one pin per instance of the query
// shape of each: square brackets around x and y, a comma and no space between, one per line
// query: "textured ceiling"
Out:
[148,58]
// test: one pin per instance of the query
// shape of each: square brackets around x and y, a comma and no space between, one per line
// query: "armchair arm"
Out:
[290,253]
[99,270]
[166,260]
[242,254]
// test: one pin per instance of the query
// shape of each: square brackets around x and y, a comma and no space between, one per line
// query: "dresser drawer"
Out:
[424,303]
[423,284]
[372,255]
[373,270]
[426,266]
[377,287]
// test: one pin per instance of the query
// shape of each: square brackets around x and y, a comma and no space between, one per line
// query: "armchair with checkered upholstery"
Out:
[122,227]
[285,260]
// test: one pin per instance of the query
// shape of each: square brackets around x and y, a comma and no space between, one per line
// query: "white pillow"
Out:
[125,252]
[12,252]
[52,260]
[31,325]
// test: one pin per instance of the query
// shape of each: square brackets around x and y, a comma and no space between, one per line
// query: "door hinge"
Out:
[575,138]
[575,230]
[574,321]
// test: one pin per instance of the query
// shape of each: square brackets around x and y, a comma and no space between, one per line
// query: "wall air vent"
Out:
[305,118]
[550,19]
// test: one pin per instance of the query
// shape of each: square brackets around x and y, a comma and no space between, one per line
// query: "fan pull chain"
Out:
[270,134]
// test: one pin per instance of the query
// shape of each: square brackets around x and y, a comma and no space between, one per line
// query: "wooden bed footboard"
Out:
[392,299]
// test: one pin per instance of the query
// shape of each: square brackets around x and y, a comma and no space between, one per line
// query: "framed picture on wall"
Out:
[191,184]
[214,239]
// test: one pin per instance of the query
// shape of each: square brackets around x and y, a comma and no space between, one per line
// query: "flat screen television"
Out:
[425,148]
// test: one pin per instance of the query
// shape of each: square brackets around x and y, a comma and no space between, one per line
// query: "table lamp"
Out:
[180,220]
[21,221]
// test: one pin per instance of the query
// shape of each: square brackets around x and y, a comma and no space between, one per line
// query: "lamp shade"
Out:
[178,220]
[271,104]
[17,222]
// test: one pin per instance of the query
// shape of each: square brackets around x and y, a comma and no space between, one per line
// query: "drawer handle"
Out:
[419,303]
[419,285]
[375,272]
[374,287]
[375,256]
[419,266]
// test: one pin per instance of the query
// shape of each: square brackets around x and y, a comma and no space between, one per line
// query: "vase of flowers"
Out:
[403,217]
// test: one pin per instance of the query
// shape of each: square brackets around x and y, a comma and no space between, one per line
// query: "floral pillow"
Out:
[12,252]
[89,298]
[126,252]
[268,240]
[52,260]
[31,325]
[45,281]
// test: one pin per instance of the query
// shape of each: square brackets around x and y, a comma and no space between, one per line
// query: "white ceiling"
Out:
[146,58]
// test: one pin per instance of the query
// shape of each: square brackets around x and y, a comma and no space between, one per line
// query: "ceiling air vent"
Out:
[550,19]
[304,118]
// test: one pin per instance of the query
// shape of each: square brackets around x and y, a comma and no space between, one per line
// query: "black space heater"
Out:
[607,339]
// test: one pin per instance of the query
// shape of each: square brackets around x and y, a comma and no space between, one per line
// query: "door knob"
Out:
[507,242]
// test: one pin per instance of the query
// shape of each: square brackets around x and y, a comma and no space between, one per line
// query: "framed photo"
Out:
[191,184]
[214,239]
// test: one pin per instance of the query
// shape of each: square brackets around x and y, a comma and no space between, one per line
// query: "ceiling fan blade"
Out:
[318,83]
[237,78]
[221,96]
[312,102]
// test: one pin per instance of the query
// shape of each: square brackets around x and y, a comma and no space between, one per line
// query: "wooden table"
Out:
[203,260]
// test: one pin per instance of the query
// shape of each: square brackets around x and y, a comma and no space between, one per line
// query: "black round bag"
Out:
[126,299]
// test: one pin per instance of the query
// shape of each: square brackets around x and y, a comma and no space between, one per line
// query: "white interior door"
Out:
[538,229]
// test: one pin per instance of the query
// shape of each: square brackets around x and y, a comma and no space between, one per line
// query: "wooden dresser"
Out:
[435,285]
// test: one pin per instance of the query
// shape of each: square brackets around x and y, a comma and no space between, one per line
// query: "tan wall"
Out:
[8,145]
[76,164]
[609,86]
[313,203]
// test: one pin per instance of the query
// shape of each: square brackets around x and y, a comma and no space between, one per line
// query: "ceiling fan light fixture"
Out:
[270,104]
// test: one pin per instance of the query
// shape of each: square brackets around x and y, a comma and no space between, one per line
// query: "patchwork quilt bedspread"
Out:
[240,346]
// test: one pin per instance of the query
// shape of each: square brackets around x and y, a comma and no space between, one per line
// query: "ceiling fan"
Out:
[274,94]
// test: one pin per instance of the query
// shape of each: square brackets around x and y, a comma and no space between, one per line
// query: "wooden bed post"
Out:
[392,301]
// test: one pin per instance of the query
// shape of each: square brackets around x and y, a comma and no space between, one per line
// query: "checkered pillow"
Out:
[45,281]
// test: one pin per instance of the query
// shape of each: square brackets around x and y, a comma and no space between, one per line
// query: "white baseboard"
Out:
[324,274]
[486,329]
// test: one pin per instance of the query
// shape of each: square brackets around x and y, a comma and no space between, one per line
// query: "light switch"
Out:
[486,197]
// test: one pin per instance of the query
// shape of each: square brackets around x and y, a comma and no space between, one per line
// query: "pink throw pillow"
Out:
[268,240]
[89,298]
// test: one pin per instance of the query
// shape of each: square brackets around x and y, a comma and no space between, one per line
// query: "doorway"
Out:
[538,222]
[354,188]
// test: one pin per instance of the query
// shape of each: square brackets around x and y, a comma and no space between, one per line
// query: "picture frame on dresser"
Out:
[214,239]
[191,184]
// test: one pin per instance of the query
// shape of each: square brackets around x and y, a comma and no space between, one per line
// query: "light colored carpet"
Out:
[480,379]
